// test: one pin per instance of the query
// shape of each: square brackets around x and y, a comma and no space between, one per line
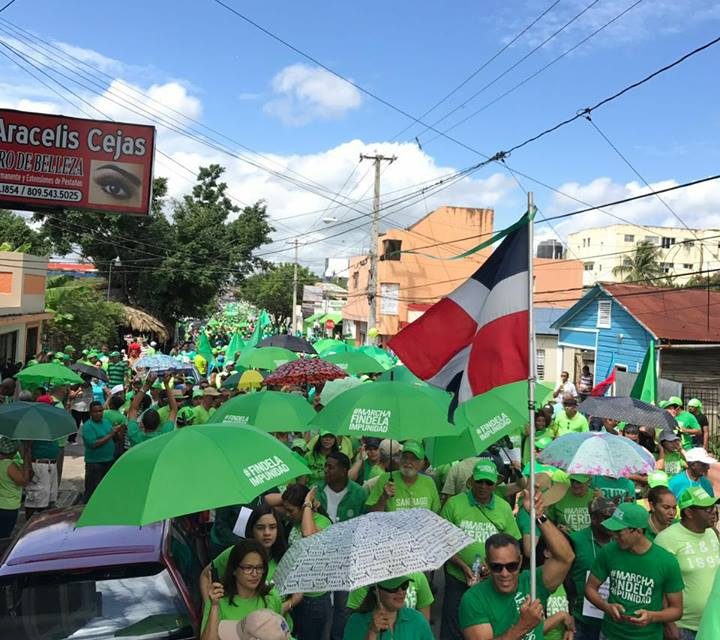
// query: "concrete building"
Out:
[22,305]
[408,283]
[682,251]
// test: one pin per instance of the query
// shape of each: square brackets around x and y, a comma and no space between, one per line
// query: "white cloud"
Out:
[307,93]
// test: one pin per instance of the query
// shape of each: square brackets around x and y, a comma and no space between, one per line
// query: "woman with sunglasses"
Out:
[243,589]
[384,616]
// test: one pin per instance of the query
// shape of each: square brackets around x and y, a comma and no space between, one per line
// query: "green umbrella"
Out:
[269,358]
[485,419]
[382,356]
[271,411]
[190,470]
[387,410]
[400,373]
[35,421]
[355,363]
[329,346]
[47,373]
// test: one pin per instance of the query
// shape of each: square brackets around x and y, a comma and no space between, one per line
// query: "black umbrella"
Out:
[89,370]
[628,410]
[286,341]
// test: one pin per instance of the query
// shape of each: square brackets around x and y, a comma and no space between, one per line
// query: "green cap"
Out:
[694,402]
[674,400]
[542,442]
[114,354]
[186,415]
[580,477]
[69,349]
[657,479]
[485,469]
[663,404]
[695,497]
[394,583]
[415,448]
[627,515]
[299,443]
[325,432]
[198,393]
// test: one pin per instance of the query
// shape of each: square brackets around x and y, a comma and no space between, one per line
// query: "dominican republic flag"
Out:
[477,337]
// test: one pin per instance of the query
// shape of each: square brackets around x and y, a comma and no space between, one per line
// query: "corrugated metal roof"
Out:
[671,314]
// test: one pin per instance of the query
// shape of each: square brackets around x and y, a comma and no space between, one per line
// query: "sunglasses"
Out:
[510,567]
[400,587]
[486,483]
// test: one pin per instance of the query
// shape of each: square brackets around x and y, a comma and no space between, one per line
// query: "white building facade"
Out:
[682,251]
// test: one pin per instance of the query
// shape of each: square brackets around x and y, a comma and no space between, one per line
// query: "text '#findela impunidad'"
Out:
[376,420]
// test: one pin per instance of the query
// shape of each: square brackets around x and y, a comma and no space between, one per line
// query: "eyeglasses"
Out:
[400,587]
[249,569]
[510,567]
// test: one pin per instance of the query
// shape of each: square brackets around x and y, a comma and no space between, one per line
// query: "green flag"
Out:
[204,349]
[236,344]
[262,321]
[645,387]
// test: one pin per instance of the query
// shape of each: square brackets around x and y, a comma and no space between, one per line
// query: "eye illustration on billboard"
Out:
[59,162]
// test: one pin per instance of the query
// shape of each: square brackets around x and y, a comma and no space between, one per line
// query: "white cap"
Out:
[118,388]
[153,344]
[698,454]
[261,624]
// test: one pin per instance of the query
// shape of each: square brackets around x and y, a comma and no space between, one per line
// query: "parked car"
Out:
[58,581]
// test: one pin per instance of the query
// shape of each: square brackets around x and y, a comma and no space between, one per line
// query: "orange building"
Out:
[408,283]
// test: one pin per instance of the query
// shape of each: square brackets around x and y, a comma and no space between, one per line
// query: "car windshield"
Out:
[134,601]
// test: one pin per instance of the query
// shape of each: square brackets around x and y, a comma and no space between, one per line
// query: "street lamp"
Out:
[116,261]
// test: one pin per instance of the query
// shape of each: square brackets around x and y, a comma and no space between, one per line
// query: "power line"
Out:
[7,4]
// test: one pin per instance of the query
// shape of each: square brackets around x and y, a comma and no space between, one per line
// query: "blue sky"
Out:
[201,60]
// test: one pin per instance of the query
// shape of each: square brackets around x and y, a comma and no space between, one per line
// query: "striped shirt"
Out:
[116,372]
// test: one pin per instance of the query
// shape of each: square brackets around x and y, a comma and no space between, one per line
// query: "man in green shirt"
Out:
[694,543]
[571,513]
[569,420]
[98,436]
[116,370]
[586,543]
[645,581]
[688,426]
[500,607]
[480,514]
[406,488]
[340,497]
[672,460]
[207,402]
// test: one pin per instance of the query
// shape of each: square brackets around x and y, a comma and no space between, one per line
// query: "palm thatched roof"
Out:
[143,322]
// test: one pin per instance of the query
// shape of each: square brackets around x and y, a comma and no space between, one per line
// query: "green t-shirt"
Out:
[611,488]
[222,559]
[687,420]
[479,522]
[699,557]
[637,581]
[202,415]
[561,424]
[10,493]
[136,435]
[710,621]
[483,604]
[571,511]
[586,550]
[422,494]
[369,470]
[409,625]
[45,450]
[556,603]
[114,417]
[418,595]
[316,464]
[92,432]
[243,607]
[673,463]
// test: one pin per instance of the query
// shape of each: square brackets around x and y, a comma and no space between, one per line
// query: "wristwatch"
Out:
[541,519]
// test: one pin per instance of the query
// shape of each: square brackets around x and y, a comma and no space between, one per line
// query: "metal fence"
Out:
[709,395]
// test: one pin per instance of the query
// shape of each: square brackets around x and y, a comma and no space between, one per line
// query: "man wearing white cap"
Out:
[698,465]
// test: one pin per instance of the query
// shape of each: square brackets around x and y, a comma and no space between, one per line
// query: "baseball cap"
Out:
[674,400]
[600,504]
[663,404]
[325,432]
[627,515]
[415,448]
[485,469]
[198,393]
[698,454]
[694,402]
[394,583]
[657,479]
[373,443]
[696,497]
[580,477]
[46,398]
[668,436]
[186,415]
[114,354]
[261,624]
[299,443]
[388,446]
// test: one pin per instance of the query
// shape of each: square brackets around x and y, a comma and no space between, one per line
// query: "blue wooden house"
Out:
[612,325]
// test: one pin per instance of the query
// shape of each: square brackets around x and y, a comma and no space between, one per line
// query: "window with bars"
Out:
[540,364]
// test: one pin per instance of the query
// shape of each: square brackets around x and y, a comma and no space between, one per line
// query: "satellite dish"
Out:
[329,219]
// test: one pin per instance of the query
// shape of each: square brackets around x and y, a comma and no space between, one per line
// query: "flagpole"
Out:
[531,400]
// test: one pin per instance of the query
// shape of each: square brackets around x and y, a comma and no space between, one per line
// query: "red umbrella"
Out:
[305,371]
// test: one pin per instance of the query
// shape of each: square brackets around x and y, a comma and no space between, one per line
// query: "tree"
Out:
[644,267]
[272,289]
[81,317]
[711,281]
[171,265]
[18,234]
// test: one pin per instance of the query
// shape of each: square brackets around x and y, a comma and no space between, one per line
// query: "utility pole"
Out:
[374,232]
[293,323]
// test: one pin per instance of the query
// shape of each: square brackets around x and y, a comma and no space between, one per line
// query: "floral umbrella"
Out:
[305,371]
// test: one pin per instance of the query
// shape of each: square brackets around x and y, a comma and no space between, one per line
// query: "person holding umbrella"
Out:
[383,614]
[13,477]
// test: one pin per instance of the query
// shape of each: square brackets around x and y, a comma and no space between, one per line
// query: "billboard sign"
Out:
[58,162]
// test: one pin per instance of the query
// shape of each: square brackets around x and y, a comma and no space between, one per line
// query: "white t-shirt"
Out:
[567,388]
[333,501]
